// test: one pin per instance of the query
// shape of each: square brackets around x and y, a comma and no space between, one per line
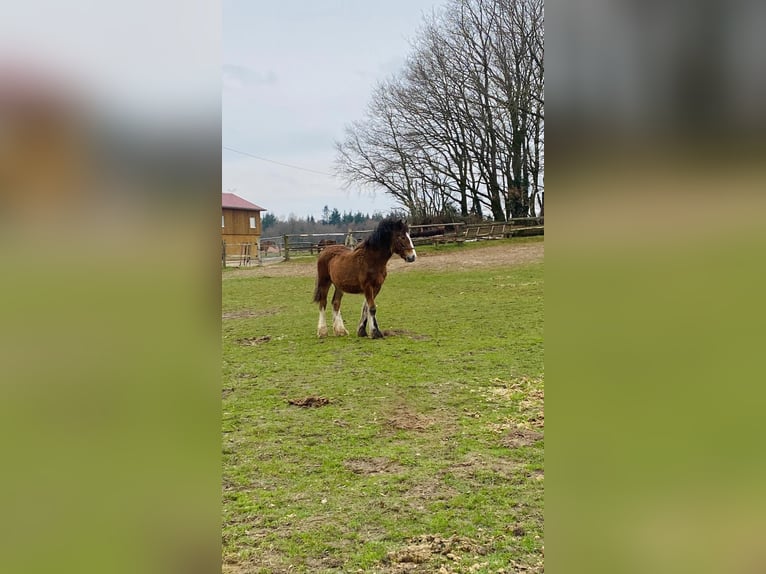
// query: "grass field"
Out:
[428,456]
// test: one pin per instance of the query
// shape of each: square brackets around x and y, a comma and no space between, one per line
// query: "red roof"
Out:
[231,201]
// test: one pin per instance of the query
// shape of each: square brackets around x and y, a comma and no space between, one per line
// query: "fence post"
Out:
[223,254]
[260,253]
[287,247]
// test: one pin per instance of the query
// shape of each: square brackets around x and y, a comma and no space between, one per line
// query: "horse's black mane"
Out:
[380,238]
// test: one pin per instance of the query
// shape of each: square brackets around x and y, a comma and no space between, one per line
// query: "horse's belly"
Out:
[348,286]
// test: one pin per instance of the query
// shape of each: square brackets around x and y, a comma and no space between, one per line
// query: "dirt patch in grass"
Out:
[521,437]
[481,468]
[268,561]
[312,401]
[232,567]
[431,489]
[324,564]
[403,418]
[427,548]
[496,255]
[252,341]
[370,466]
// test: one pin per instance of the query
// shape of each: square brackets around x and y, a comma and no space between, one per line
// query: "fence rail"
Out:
[283,247]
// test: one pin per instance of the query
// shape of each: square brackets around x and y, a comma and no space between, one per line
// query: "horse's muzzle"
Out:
[410,258]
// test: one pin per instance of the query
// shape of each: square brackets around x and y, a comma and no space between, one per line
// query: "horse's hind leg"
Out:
[362,328]
[322,325]
[337,321]
[320,296]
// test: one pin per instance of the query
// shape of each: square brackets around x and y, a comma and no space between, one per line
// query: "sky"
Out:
[295,74]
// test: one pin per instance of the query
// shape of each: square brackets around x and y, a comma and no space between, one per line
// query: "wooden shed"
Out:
[240,223]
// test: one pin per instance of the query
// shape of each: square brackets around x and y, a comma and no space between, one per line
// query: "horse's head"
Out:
[402,243]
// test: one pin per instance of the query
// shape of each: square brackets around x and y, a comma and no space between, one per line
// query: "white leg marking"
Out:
[337,324]
[322,326]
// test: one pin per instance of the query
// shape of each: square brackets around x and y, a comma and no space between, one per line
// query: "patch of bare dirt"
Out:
[312,401]
[252,341]
[429,547]
[371,466]
[231,567]
[430,490]
[268,561]
[521,437]
[405,419]
[458,555]
[491,255]
[476,467]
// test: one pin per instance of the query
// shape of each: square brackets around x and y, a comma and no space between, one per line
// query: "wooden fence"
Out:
[282,248]
[460,232]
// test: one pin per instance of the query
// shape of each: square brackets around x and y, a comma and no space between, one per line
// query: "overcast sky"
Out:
[295,73]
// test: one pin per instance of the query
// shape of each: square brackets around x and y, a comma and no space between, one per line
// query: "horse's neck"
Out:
[380,257]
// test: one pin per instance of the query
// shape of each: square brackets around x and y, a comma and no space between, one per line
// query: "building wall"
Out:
[237,222]
[237,230]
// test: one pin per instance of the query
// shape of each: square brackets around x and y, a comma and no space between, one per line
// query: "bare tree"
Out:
[460,129]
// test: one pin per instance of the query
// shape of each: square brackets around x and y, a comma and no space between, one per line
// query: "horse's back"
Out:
[327,255]
[331,252]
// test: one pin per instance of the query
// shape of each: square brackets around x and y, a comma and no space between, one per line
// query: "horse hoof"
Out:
[341,333]
[361,333]
[377,335]
[322,333]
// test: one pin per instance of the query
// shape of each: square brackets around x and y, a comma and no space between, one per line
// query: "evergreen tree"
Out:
[268,220]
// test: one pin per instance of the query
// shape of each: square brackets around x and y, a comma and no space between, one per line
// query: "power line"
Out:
[277,162]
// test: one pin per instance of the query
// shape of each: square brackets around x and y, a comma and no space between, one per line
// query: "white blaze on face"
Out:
[411,247]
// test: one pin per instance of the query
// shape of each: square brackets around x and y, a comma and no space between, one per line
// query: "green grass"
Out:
[418,438]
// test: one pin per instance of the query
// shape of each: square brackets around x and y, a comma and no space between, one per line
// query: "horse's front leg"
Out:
[371,312]
[362,328]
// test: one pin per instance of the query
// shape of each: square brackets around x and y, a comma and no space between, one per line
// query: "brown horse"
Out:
[361,270]
[268,246]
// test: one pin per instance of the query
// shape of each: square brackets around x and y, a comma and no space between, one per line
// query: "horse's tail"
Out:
[323,277]
[324,281]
